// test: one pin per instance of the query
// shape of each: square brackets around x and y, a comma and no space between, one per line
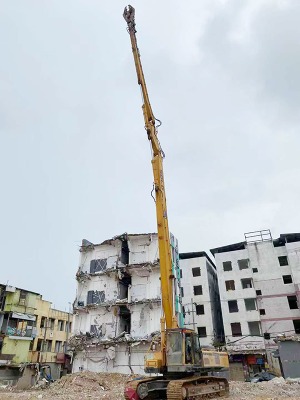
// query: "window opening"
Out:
[229,285]
[250,304]
[233,306]
[292,300]
[124,284]
[283,260]
[246,283]
[125,319]
[287,279]
[196,271]
[236,329]
[197,290]
[244,263]
[254,328]
[227,266]
[201,331]
[98,265]
[262,311]
[199,309]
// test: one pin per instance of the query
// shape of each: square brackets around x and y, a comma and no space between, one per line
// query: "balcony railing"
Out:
[11,331]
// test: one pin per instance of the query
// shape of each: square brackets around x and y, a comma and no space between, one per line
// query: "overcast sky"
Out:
[223,76]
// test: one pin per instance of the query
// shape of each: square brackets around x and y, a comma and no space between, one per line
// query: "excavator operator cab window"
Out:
[188,349]
[192,348]
[174,347]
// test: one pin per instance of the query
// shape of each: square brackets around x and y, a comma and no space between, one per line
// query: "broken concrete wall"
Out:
[143,248]
[145,319]
[102,322]
[109,252]
[121,358]
[105,288]
[145,284]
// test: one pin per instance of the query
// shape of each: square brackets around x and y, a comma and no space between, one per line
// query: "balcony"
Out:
[26,334]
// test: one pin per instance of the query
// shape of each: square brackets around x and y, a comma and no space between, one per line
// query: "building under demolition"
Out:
[117,309]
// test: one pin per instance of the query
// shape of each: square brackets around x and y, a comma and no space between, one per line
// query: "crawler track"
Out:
[197,388]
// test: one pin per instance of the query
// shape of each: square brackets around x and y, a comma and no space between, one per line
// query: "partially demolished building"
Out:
[117,308]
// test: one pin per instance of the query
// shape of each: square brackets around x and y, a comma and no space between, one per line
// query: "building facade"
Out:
[17,324]
[259,289]
[200,297]
[117,309]
[53,329]
[23,339]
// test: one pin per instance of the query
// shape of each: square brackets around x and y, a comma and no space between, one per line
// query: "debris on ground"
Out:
[110,386]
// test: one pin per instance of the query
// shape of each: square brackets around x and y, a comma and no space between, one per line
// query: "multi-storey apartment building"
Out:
[200,297]
[118,302]
[24,340]
[259,288]
[53,329]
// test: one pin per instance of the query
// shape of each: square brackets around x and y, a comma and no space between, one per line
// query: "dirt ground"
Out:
[87,385]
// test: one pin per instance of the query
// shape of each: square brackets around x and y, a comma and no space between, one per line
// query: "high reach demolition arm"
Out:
[160,195]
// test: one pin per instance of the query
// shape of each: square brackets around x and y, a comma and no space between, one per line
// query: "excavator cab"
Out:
[183,350]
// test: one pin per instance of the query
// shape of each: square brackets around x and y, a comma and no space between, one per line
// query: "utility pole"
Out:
[193,313]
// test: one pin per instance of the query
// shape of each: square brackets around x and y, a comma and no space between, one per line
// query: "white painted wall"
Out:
[143,248]
[278,316]
[209,290]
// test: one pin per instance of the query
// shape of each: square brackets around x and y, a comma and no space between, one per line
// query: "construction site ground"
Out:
[90,385]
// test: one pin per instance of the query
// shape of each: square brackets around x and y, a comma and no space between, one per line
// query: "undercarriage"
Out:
[189,388]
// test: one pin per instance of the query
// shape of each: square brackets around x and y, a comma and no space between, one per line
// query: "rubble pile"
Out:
[276,389]
[101,386]
[89,384]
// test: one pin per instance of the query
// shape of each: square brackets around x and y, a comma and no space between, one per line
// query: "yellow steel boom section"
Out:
[160,196]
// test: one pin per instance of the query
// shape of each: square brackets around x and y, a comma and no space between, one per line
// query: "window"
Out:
[43,322]
[243,264]
[95,297]
[51,323]
[246,283]
[296,323]
[22,298]
[227,266]
[58,346]
[39,344]
[180,273]
[254,328]
[258,292]
[287,279]
[181,292]
[233,306]
[68,327]
[250,304]
[196,271]
[229,285]
[262,311]
[197,290]
[98,265]
[201,331]
[254,270]
[283,260]
[48,345]
[199,309]
[292,300]
[236,329]
[60,325]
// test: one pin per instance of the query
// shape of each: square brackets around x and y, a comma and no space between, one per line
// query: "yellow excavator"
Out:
[182,369]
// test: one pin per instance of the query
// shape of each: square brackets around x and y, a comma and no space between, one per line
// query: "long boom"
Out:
[165,259]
